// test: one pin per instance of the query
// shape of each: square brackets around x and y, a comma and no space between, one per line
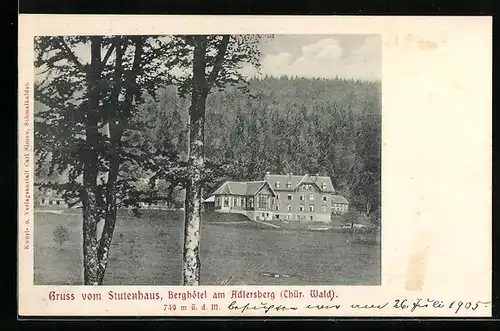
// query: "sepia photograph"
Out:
[207,160]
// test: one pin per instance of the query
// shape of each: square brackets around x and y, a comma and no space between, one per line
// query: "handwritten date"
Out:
[412,305]
[438,304]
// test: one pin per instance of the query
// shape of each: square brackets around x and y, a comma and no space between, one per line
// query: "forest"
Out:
[285,125]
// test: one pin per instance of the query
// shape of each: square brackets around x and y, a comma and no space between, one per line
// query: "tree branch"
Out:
[108,54]
[219,60]
[71,55]
[189,39]
[132,89]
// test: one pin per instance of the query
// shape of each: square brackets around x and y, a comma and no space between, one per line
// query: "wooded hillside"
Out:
[281,125]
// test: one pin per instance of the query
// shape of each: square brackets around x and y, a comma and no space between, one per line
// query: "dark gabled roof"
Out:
[297,180]
[240,188]
[339,199]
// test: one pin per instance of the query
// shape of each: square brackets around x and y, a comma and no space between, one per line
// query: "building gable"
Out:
[223,189]
[244,188]
[292,182]
[265,189]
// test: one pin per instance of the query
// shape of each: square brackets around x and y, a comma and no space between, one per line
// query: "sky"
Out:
[325,56]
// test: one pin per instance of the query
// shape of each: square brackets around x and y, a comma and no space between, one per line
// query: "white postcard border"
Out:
[436,161]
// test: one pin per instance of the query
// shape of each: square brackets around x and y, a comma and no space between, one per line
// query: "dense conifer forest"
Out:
[285,125]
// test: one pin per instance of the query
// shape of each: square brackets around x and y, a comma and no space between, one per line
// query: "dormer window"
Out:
[277,184]
[323,186]
[289,184]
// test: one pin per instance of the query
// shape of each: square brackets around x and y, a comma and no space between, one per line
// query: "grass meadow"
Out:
[146,250]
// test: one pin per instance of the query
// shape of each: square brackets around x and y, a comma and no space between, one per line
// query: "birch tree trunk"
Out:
[201,85]
[196,128]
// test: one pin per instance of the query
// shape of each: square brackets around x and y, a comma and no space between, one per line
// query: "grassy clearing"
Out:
[146,250]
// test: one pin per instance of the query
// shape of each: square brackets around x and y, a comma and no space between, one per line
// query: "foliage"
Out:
[375,217]
[60,234]
[62,96]
[350,217]
[220,72]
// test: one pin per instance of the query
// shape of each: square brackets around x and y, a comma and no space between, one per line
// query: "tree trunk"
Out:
[115,135]
[106,237]
[196,128]
[90,170]
[196,158]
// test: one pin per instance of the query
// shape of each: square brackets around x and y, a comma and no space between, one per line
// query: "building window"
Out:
[289,184]
[234,201]
[277,184]
[323,209]
[263,201]
[324,197]
[289,197]
[217,202]
[277,216]
[263,215]
[43,201]
[311,197]
[302,197]
[58,202]
[311,218]
[277,196]
[50,202]
[250,202]
[267,214]
[242,202]
[289,207]
[226,202]
[323,186]
[311,207]
[277,207]
[288,217]
[301,208]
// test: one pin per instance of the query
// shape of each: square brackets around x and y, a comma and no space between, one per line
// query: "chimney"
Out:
[268,174]
[316,177]
[290,174]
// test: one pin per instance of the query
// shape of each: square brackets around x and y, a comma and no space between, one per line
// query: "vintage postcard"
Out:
[250,166]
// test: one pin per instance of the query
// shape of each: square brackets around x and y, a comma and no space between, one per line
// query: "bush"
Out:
[61,234]
[375,218]
[350,217]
